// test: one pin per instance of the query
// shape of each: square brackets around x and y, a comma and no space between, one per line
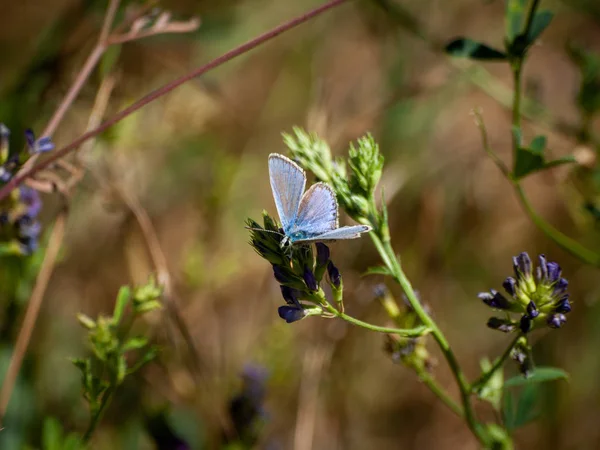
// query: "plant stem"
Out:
[95,420]
[412,332]
[387,253]
[430,382]
[564,241]
[484,378]
[152,96]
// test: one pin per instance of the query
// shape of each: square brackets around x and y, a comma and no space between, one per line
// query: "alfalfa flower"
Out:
[539,296]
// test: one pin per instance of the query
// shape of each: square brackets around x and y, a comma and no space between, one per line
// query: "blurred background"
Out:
[196,162]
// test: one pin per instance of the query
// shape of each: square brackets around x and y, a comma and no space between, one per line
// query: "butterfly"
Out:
[312,217]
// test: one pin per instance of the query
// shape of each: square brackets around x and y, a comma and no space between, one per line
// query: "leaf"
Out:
[560,161]
[517,135]
[515,12]
[538,145]
[492,391]
[539,375]
[527,408]
[540,22]
[526,162]
[377,270]
[135,343]
[51,434]
[468,48]
[508,410]
[123,298]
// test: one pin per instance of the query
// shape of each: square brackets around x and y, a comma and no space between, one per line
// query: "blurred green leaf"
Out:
[135,343]
[526,162]
[491,392]
[378,270]
[51,434]
[540,22]
[515,12]
[539,375]
[519,410]
[531,159]
[468,48]
[123,298]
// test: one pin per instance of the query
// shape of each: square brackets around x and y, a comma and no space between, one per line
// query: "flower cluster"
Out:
[410,351]
[540,299]
[19,226]
[298,270]
[11,161]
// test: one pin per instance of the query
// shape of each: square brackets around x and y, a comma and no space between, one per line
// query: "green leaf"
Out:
[517,135]
[508,410]
[539,375]
[121,369]
[538,145]
[560,161]
[514,16]
[492,391]
[135,343]
[526,162]
[51,434]
[540,22]
[123,298]
[377,270]
[468,48]
[145,359]
[527,408]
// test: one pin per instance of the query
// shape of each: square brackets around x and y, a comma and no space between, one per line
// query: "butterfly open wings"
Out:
[309,216]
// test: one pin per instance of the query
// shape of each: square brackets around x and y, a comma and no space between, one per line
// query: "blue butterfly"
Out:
[312,217]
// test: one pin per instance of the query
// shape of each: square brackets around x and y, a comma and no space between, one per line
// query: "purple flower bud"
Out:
[494,299]
[554,271]
[334,275]
[309,279]
[42,145]
[556,320]
[510,286]
[322,254]
[503,325]
[522,265]
[542,273]
[525,324]
[560,287]
[563,305]
[290,295]
[280,274]
[291,313]
[532,311]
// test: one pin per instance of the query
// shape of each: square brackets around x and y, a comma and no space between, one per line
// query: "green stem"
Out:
[411,332]
[95,420]
[484,378]
[386,251]
[564,241]
[430,382]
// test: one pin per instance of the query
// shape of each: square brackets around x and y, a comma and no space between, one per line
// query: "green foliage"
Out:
[55,438]
[538,375]
[468,48]
[111,346]
[523,27]
[491,391]
[520,409]
[531,159]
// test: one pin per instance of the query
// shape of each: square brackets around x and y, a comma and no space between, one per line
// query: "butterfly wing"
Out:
[318,211]
[352,232]
[287,183]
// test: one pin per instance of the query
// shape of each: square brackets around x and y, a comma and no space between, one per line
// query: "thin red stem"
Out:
[8,187]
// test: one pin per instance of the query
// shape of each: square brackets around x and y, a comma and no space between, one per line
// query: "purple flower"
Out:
[309,279]
[42,145]
[334,275]
[291,313]
[31,199]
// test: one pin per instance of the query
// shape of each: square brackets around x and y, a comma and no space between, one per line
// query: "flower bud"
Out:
[334,275]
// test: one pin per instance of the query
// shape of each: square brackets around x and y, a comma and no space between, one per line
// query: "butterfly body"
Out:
[310,216]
